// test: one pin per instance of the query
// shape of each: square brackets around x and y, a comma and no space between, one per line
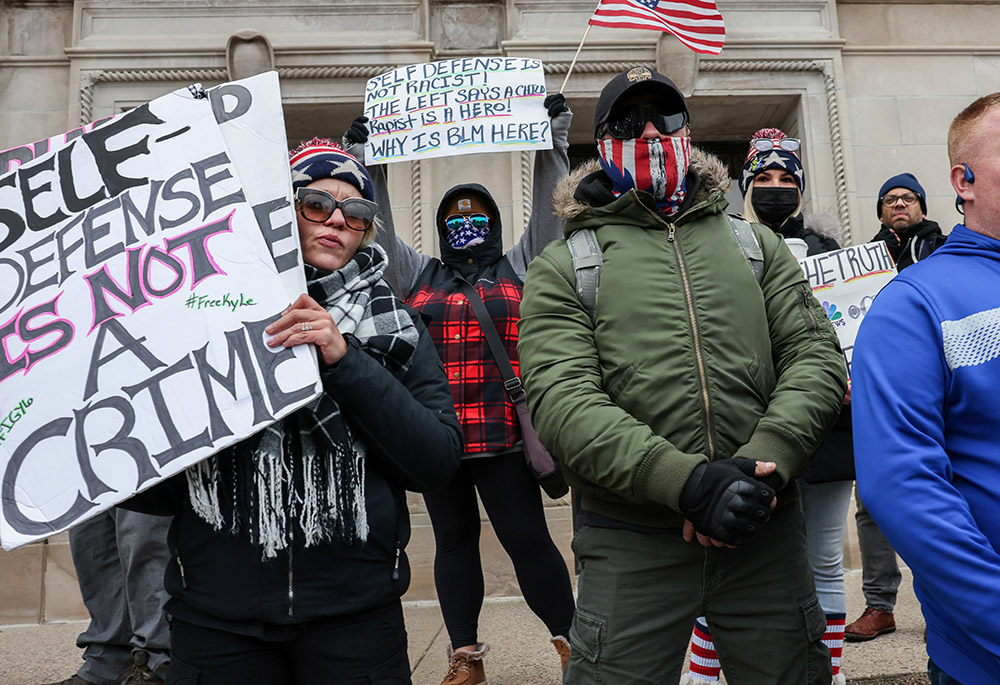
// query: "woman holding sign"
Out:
[772,182]
[468,224]
[288,547]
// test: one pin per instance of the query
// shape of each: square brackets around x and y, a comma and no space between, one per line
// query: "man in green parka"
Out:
[682,407]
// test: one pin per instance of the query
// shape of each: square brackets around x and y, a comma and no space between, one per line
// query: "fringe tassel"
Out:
[270,497]
[203,486]
[272,484]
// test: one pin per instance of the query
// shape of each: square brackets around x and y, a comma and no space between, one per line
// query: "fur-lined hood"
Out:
[713,173]
[823,224]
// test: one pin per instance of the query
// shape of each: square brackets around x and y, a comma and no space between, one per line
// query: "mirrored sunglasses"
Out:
[455,221]
[765,144]
[318,205]
[630,123]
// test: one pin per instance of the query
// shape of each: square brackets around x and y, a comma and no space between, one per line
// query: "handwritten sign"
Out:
[140,260]
[456,107]
[846,282]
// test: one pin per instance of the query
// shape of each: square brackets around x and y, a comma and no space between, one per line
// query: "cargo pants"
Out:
[640,593]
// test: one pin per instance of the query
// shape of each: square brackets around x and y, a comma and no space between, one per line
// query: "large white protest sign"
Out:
[456,107]
[846,282]
[139,265]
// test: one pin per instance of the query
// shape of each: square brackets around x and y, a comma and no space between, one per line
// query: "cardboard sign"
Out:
[140,260]
[846,282]
[456,107]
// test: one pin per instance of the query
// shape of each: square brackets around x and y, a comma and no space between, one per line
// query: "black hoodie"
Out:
[470,261]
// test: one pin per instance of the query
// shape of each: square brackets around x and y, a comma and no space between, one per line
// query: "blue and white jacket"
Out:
[926,410]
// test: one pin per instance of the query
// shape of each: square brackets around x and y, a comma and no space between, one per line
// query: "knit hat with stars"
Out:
[775,158]
[322,158]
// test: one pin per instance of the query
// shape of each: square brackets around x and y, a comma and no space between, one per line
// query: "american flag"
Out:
[696,23]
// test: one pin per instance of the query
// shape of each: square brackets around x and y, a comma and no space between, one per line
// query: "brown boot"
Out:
[871,624]
[466,668]
[562,646]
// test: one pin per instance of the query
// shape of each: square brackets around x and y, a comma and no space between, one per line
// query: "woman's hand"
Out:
[305,321]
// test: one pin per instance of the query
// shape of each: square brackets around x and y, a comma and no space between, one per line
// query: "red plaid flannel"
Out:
[488,418]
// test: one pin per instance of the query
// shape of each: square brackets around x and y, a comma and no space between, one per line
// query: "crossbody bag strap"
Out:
[510,380]
[540,461]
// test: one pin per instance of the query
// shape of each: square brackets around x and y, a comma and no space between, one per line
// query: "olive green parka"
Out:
[688,358]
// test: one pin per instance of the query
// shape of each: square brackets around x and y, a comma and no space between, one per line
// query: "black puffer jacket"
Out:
[412,439]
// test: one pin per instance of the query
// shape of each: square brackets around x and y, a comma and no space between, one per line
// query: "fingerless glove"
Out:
[725,502]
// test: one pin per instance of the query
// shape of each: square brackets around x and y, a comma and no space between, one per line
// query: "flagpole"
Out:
[571,64]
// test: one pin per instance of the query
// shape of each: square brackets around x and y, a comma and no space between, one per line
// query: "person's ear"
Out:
[963,180]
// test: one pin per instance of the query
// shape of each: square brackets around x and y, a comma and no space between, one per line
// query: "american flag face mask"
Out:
[657,166]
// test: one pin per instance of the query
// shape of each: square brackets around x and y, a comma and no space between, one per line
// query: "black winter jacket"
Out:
[411,433]
[835,458]
[916,243]
[818,243]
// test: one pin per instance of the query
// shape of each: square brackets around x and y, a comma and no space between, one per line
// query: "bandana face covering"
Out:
[466,231]
[655,166]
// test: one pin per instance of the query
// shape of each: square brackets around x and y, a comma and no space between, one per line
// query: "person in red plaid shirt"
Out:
[468,223]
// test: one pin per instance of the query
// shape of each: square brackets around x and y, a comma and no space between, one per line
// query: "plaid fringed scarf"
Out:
[306,472]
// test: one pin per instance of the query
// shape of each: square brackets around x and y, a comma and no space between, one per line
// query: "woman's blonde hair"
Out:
[376,227]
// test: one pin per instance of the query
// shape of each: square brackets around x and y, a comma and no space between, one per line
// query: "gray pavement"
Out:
[520,653]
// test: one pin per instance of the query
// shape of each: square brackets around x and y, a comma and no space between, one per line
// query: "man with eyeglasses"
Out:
[682,406]
[902,209]
[910,237]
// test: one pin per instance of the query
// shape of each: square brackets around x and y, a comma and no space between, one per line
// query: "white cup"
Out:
[798,247]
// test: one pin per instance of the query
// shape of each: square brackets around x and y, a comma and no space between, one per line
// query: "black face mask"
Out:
[774,205]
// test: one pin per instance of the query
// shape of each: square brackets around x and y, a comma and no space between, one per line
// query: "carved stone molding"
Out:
[248,53]
[593,67]
[366,72]
[416,196]
[89,79]
[526,181]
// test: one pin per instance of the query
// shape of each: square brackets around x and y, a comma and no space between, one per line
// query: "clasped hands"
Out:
[726,502]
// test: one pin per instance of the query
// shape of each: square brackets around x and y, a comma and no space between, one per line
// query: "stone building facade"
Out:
[869,86]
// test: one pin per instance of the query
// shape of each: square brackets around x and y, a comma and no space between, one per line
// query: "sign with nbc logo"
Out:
[846,282]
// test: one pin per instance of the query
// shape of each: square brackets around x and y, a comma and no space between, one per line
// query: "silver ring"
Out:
[305,327]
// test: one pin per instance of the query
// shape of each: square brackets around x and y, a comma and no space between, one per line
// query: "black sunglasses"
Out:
[318,205]
[629,123]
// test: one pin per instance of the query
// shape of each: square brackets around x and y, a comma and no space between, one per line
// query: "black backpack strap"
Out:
[747,240]
[587,262]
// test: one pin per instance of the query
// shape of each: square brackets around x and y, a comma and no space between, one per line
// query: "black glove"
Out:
[725,502]
[357,133]
[556,104]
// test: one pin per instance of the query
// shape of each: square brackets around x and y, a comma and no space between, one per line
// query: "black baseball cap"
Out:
[633,82]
